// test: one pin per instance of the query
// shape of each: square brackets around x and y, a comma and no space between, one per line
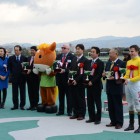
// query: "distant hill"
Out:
[101,42]
[11,45]
[106,42]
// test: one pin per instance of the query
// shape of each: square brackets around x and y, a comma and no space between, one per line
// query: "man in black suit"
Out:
[114,90]
[18,79]
[32,81]
[94,87]
[77,89]
[64,59]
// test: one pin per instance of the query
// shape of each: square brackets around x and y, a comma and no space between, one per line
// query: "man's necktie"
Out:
[92,62]
[32,59]
[111,66]
[78,59]
[17,58]
[63,58]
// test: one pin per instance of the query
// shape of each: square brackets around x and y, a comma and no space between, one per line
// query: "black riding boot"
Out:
[131,121]
[138,130]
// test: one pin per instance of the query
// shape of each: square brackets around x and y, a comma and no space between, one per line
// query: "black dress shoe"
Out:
[73,117]
[69,114]
[33,108]
[80,118]
[59,114]
[97,122]
[118,126]
[22,108]
[14,108]
[29,108]
[110,125]
[89,121]
[2,106]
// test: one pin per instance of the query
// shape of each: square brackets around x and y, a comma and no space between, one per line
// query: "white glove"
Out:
[35,71]
[48,71]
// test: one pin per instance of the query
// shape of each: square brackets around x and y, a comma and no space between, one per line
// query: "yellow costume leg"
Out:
[51,95]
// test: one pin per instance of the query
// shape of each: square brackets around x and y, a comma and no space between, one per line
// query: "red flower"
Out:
[94,66]
[115,68]
[81,65]
[132,67]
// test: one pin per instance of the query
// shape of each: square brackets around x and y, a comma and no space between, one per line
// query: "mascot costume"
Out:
[43,65]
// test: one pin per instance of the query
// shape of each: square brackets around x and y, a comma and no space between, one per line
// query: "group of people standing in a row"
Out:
[72,81]
[75,90]
[13,66]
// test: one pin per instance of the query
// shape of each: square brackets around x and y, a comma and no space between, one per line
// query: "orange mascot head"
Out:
[44,58]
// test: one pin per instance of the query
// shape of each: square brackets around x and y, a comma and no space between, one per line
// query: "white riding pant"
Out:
[132,90]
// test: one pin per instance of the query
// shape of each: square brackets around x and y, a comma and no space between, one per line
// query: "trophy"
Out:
[108,74]
[122,71]
[72,73]
[57,66]
[87,73]
[25,65]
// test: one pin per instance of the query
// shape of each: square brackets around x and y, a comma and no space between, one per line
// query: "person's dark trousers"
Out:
[18,88]
[3,98]
[64,91]
[94,99]
[33,91]
[78,98]
[115,108]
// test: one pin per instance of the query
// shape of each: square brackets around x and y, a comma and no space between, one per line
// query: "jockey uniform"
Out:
[132,90]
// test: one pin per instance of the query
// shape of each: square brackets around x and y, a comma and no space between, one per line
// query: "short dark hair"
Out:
[97,49]
[3,50]
[34,48]
[136,47]
[18,46]
[81,46]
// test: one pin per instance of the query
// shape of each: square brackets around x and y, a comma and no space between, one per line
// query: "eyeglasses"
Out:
[64,48]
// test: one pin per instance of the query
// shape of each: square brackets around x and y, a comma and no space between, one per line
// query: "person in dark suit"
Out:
[95,86]
[114,90]
[18,79]
[65,59]
[77,89]
[32,81]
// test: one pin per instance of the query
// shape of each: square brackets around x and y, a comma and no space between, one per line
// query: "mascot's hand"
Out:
[35,71]
[48,71]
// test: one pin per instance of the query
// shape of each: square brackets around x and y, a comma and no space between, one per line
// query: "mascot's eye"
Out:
[40,56]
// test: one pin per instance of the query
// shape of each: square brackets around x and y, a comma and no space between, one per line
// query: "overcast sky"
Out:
[38,21]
